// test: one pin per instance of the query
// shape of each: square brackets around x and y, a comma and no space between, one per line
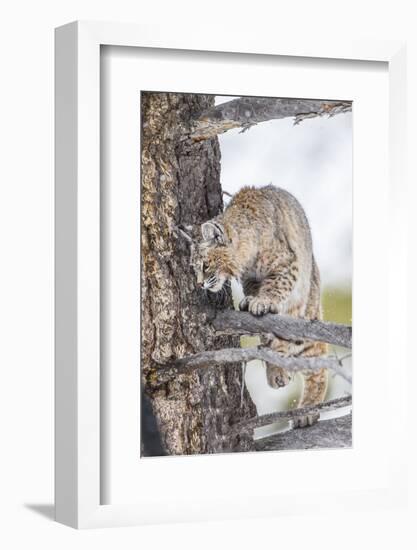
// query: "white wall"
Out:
[26,360]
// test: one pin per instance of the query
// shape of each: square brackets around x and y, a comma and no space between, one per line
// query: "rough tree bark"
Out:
[248,425]
[181,185]
[288,328]
[326,434]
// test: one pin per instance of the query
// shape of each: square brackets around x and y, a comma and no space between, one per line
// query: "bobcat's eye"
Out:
[205,266]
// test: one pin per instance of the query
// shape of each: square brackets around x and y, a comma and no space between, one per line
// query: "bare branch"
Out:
[265,419]
[235,355]
[248,111]
[326,434]
[284,327]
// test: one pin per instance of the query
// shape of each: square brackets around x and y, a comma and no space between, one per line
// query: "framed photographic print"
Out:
[223,210]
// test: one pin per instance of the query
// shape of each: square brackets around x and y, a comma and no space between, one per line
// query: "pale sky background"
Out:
[313,161]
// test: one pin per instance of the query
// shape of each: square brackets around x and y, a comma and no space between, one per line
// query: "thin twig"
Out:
[247,426]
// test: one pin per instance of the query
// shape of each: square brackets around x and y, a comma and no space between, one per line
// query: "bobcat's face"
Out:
[209,277]
[211,258]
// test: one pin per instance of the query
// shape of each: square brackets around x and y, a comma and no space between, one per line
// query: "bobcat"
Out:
[263,239]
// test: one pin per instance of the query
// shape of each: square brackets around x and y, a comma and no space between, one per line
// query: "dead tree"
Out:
[200,404]
[181,184]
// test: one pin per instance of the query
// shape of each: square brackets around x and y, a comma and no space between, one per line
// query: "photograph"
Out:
[246,273]
[208,268]
[208,276]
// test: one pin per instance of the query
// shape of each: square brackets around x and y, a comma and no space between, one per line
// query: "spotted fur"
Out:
[263,239]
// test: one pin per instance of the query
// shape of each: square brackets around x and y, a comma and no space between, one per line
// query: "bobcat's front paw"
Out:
[244,304]
[307,420]
[262,306]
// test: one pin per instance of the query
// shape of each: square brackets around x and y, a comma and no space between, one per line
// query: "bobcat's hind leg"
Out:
[304,421]
[315,388]
[276,376]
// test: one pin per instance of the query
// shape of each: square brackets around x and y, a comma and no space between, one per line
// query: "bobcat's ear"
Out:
[213,231]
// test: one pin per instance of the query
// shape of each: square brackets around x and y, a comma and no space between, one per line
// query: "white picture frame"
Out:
[78,501]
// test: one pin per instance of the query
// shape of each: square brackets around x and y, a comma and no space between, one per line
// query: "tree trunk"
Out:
[181,185]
